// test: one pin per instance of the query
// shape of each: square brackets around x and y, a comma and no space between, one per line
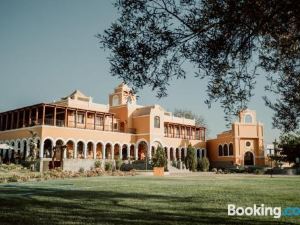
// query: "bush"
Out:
[119,163]
[190,159]
[108,166]
[203,164]
[159,158]
[13,178]
[81,170]
[214,170]
[98,164]
[126,167]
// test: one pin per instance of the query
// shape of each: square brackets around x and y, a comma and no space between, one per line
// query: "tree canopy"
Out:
[225,41]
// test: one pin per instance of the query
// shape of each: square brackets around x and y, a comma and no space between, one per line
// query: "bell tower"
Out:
[122,95]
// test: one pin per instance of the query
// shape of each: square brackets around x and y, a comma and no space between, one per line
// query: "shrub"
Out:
[190,159]
[203,164]
[119,163]
[13,178]
[159,158]
[214,170]
[126,167]
[81,170]
[98,164]
[108,166]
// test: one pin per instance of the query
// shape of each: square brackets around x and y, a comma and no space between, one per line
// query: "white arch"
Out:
[76,148]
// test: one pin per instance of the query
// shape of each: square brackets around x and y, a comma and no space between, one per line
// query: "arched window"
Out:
[220,150]
[248,118]
[156,122]
[230,149]
[225,150]
[115,100]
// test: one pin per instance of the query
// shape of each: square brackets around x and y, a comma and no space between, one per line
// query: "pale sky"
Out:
[48,49]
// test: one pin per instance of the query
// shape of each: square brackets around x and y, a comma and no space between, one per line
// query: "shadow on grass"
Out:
[31,205]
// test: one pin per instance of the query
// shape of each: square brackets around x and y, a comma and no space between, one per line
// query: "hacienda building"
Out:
[120,130]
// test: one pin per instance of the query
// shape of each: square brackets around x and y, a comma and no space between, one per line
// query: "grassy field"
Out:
[195,199]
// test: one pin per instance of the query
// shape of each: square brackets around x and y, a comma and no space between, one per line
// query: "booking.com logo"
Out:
[262,210]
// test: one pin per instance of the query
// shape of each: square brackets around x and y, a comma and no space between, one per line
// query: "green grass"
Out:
[146,200]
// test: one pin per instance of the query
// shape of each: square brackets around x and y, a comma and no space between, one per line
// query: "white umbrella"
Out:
[5,146]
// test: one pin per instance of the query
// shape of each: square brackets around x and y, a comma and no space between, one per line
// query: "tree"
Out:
[190,159]
[31,160]
[203,164]
[188,114]
[290,147]
[159,158]
[225,41]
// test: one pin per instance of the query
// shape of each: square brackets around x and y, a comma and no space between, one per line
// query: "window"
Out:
[156,122]
[80,118]
[99,120]
[248,119]
[225,150]
[115,126]
[230,149]
[220,150]
[115,100]
[248,144]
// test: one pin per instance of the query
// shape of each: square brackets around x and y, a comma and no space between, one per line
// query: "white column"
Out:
[136,152]
[201,153]
[41,149]
[28,149]
[128,151]
[174,154]
[185,152]
[84,150]
[94,150]
[168,154]
[179,153]
[205,153]
[65,153]
[75,151]
[149,151]
[103,150]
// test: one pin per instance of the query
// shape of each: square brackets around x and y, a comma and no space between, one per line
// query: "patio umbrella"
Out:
[5,146]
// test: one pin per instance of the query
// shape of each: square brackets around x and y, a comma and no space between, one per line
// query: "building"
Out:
[242,145]
[122,130]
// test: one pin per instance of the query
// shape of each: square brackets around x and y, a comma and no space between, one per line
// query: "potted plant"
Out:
[159,162]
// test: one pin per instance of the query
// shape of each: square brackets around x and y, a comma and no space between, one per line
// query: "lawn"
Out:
[193,199]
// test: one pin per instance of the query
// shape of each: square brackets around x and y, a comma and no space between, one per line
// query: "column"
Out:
[23,122]
[75,150]
[128,151]
[179,155]
[104,150]
[6,124]
[112,122]
[12,121]
[174,153]
[94,150]
[136,152]
[43,117]
[104,121]
[112,152]
[168,154]
[84,150]
[149,151]
[36,116]
[66,117]
[85,119]
[18,119]
[29,119]
[75,119]
[41,149]
[95,119]
[185,152]
[54,117]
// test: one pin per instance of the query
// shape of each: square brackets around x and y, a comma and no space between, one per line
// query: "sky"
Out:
[48,49]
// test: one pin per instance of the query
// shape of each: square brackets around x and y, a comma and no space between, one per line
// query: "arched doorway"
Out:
[48,145]
[70,149]
[116,151]
[248,159]
[108,149]
[80,150]
[99,151]
[124,152]
[142,150]
[90,150]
